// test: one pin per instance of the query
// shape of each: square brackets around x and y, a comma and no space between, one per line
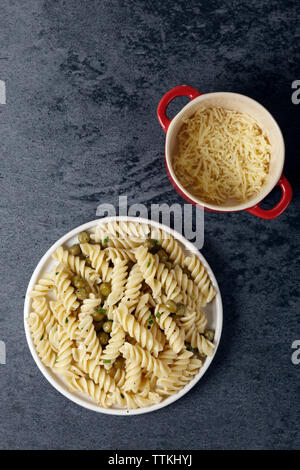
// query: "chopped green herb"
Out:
[158,315]
[105,240]
[150,322]
[155,242]
[41,337]
[148,264]
[66,320]
[57,273]
[106,361]
[100,310]
[122,395]
[191,349]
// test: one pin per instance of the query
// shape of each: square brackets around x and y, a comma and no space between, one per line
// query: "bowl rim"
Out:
[214,207]
[72,395]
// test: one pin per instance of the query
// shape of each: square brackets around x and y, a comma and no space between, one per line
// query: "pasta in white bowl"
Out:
[123,315]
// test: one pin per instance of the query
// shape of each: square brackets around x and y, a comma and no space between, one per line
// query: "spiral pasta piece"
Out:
[193,321]
[169,244]
[172,332]
[167,356]
[88,387]
[65,292]
[145,359]
[89,305]
[43,286]
[113,235]
[193,366]
[52,336]
[204,346]
[88,336]
[97,373]
[122,254]
[132,400]
[118,282]
[168,282]
[201,277]
[112,350]
[40,339]
[177,371]
[98,259]
[148,384]
[143,315]
[175,386]
[64,350]
[119,376]
[40,306]
[67,321]
[200,321]
[136,330]
[76,264]
[192,296]
[132,230]
[133,376]
[148,264]
[133,286]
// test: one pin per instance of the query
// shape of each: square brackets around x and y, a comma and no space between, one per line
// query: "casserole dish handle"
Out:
[182,90]
[286,198]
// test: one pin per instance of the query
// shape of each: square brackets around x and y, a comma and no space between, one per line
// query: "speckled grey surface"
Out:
[79,128]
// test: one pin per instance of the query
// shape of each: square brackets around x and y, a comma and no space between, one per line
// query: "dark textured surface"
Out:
[79,128]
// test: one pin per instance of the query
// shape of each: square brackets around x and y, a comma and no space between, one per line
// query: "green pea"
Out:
[163,256]
[98,325]
[84,237]
[107,326]
[75,249]
[210,335]
[171,306]
[78,282]
[105,289]
[103,337]
[119,362]
[81,293]
[98,316]
[180,309]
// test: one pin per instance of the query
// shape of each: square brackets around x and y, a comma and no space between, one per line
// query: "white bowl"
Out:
[214,312]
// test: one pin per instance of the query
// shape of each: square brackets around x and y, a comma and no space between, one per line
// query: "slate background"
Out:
[79,128]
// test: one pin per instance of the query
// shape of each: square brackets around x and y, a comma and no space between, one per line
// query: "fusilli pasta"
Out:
[120,318]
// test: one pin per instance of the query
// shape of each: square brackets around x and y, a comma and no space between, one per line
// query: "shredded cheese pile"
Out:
[222,156]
